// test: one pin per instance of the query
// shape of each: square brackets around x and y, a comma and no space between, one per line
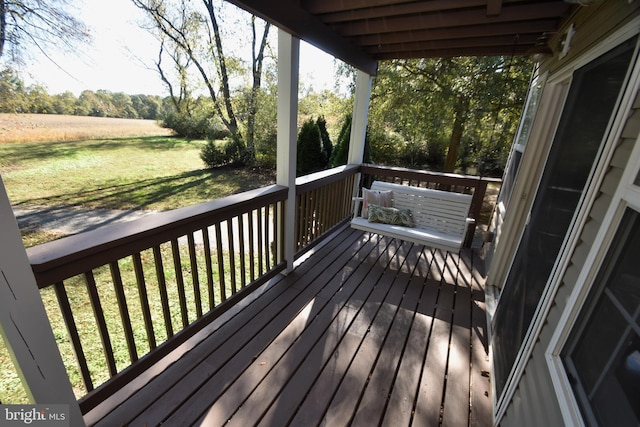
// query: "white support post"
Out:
[24,324]
[288,70]
[359,119]
[359,124]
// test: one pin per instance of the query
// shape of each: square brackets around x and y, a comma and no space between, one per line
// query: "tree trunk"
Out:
[3,26]
[224,76]
[459,122]
[256,71]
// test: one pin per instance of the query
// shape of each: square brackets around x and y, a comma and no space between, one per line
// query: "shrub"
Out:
[219,153]
[414,154]
[436,155]
[310,156]
[195,126]
[327,147]
[386,146]
[341,150]
[267,150]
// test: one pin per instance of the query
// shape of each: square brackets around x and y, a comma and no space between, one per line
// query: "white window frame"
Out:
[537,79]
[502,402]
[626,196]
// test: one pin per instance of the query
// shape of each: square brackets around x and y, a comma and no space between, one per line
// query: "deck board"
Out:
[368,330]
[339,317]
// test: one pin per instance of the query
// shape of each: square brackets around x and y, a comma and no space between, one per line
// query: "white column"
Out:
[24,324]
[359,120]
[288,69]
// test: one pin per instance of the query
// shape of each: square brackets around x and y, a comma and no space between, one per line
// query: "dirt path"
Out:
[71,220]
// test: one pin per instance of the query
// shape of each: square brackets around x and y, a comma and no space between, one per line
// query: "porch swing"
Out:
[424,216]
[435,218]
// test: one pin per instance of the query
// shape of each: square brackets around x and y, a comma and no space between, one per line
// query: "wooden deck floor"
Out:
[367,331]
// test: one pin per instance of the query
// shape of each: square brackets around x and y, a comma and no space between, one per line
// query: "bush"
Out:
[436,155]
[195,126]
[267,150]
[217,153]
[327,147]
[340,153]
[386,147]
[310,156]
[414,154]
[341,150]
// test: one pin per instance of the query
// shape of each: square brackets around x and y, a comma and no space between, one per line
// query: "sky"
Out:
[122,56]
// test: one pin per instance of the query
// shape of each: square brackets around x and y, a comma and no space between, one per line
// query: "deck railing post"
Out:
[476,207]
[24,324]
[288,70]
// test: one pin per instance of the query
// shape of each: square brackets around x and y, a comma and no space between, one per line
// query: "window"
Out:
[591,102]
[524,130]
[602,355]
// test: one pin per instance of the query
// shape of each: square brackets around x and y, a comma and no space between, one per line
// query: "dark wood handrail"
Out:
[86,255]
[423,175]
[323,178]
[60,259]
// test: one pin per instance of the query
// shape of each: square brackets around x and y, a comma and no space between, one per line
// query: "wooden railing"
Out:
[475,185]
[323,202]
[146,286]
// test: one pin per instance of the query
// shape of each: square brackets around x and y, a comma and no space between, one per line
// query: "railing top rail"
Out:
[438,177]
[319,179]
[115,241]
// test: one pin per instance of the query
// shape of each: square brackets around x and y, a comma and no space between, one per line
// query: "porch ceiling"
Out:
[361,32]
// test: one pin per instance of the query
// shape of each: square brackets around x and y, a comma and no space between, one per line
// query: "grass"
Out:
[85,321]
[88,162]
[157,173]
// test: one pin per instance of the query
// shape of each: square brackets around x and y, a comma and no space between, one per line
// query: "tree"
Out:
[63,103]
[310,156]
[122,106]
[194,29]
[341,150]
[327,147]
[180,96]
[38,100]
[147,106]
[463,104]
[12,92]
[42,24]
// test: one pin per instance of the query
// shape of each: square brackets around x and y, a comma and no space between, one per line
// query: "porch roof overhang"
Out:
[362,32]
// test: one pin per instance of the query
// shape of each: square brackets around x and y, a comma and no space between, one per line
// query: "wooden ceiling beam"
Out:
[401,9]
[502,29]
[450,53]
[328,6]
[359,32]
[475,42]
[515,13]
[494,7]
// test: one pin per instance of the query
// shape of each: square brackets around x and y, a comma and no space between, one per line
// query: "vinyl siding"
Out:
[534,403]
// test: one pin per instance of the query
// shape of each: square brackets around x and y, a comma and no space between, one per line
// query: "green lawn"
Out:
[158,173]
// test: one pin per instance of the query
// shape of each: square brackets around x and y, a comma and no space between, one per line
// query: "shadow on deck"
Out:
[366,331]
